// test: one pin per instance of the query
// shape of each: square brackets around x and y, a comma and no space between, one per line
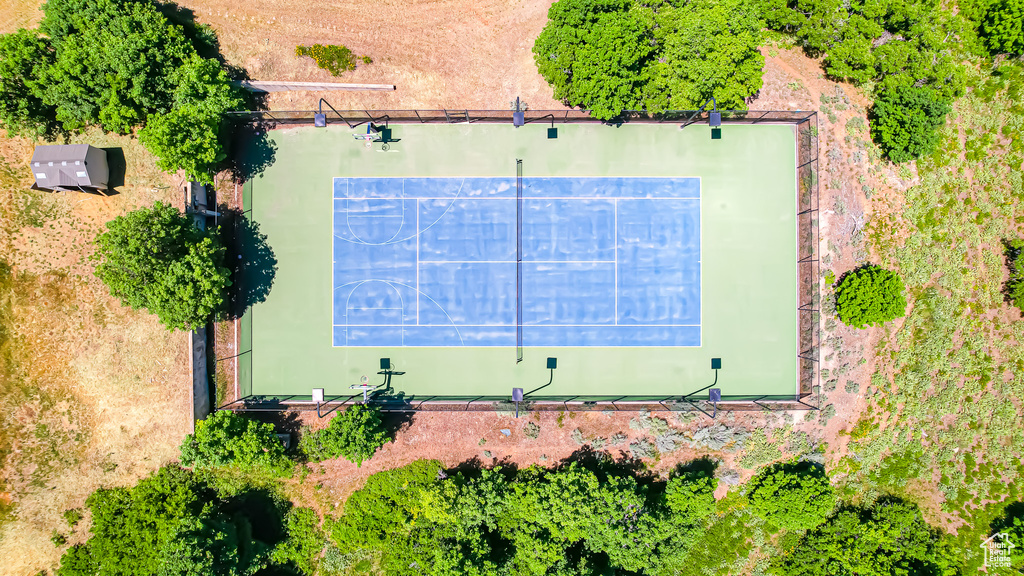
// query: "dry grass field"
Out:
[91,394]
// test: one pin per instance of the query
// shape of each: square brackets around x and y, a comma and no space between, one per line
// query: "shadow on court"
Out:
[253,150]
[251,259]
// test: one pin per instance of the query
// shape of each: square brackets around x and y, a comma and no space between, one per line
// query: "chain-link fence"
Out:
[808,273]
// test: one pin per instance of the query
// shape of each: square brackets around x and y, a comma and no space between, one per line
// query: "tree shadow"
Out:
[604,464]
[705,466]
[395,422]
[263,509]
[1005,522]
[253,150]
[284,422]
[251,259]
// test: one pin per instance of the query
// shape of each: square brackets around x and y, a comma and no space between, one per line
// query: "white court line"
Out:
[513,261]
[530,325]
[513,198]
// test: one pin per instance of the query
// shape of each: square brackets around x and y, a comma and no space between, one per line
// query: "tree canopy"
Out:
[228,439]
[118,64]
[905,122]
[170,523]
[155,258]
[614,55]
[792,496]
[571,520]
[886,538]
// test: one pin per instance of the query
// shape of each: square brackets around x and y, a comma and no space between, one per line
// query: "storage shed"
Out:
[70,167]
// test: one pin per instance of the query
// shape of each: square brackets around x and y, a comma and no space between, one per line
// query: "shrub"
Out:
[1003,27]
[869,296]
[792,496]
[354,434]
[155,258]
[905,122]
[228,439]
[334,59]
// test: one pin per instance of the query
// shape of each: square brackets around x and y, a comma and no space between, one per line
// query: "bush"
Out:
[905,122]
[354,434]
[1003,27]
[228,439]
[334,59]
[792,496]
[869,296]
[155,258]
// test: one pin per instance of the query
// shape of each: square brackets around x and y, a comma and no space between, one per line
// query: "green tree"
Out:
[1011,522]
[885,539]
[114,62]
[155,258]
[792,496]
[870,296]
[228,439]
[23,57]
[705,48]
[304,543]
[1014,288]
[171,523]
[186,139]
[1003,27]
[905,122]
[194,136]
[594,53]
[354,434]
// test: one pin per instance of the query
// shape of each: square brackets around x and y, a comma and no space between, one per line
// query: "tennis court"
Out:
[493,262]
[633,254]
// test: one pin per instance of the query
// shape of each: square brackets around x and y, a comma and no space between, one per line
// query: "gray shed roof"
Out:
[65,166]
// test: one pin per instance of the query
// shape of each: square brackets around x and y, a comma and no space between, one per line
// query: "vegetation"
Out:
[614,55]
[354,434]
[227,439]
[792,496]
[334,59]
[155,258]
[956,352]
[908,53]
[170,523]
[536,521]
[889,537]
[1014,289]
[905,120]
[870,296]
[118,64]
[1003,26]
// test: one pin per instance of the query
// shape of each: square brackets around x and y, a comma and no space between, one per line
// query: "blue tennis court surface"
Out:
[433,262]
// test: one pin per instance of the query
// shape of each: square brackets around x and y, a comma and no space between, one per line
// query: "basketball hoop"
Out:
[369,143]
